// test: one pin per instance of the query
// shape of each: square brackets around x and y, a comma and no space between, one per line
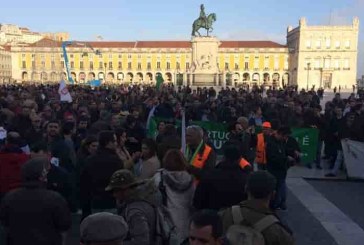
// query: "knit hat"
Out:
[103,227]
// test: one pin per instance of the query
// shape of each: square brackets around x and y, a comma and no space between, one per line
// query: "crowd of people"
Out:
[94,157]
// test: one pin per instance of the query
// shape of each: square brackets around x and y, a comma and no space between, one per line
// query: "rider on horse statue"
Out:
[203,16]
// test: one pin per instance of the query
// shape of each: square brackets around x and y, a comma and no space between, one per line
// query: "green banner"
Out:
[307,138]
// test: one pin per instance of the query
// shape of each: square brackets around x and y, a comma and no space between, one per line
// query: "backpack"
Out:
[239,233]
[166,231]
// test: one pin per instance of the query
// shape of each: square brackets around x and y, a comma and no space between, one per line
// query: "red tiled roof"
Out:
[250,44]
[46,42]
[163,44]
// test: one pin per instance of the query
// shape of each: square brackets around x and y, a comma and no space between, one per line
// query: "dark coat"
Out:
[59,149]
[221,187]
[41,221]
[277,163]
[95,176]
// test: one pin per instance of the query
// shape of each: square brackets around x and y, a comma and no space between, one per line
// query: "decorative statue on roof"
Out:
[204,22]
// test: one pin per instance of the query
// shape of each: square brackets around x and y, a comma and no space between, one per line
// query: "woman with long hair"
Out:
[122,151]
[177,189]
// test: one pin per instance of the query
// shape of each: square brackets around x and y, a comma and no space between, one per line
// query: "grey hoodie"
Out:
[180,191]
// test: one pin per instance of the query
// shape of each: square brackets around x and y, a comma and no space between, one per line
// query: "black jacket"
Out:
[34,215]
[277,163]
[221,187]
[95,176]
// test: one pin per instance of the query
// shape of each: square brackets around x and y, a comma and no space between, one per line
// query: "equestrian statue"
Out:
[204,22]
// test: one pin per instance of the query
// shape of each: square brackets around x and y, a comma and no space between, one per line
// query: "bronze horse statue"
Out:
[200,23]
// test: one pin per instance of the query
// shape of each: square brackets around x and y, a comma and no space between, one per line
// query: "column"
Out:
[224,80]
[217,79]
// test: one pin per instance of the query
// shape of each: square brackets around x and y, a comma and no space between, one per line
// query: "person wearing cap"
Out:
[103,228]
[261,158]
[136,201]
[32,214]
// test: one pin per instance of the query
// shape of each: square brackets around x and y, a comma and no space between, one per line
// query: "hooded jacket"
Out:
[139,210]
[179,191]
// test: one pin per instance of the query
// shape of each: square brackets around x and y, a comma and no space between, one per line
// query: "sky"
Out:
[131,20]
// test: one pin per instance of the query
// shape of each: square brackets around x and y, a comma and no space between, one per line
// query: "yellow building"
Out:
[119,62]
[5,64]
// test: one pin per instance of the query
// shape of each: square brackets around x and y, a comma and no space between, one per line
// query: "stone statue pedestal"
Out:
[204,69]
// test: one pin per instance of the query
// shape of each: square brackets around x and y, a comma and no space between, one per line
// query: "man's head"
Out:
[27,107]
[338,111]
[107,139]
[205,228]
[194,135]
[121,182]
[36,121]
[35,170]
[53,128]
[244,122]
[283,133]
[235,128]
[103,228]
[13,138]
[231,151]
[266,128]
[261,186]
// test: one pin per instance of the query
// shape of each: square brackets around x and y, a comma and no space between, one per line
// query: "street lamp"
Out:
[308,74]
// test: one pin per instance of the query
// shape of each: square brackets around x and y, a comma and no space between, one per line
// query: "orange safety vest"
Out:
[261,157]
[200,159]
[244,163]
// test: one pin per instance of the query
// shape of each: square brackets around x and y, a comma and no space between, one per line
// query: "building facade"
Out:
[15,35]
[5,64]
[117,62]
[319,56]
[323,56]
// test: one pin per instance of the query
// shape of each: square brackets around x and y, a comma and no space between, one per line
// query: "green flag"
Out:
[160,80]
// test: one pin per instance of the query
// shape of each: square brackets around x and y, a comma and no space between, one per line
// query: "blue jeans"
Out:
[281,194]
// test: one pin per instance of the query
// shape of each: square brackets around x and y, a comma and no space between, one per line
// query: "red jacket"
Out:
[11,160]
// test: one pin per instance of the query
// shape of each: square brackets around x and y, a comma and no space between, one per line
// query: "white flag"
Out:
[183,136]
[64,93]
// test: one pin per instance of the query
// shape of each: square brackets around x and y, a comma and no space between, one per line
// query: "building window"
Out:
[328,43]
[90,56]
[318,44]
[226,66]
[24,65]
[91,65]
[317,63]
[53,64]
[187,65]
[129,56]
[256,62]
[43,64]
[276,63]
[70,56]
[101,65]
[110,56]
[308,44]
[120,65]
[120,56]
[139,56]
[337,64]
[110,65]
[149,66]
[72,64]
[81,64]
[158,65]
[139,66]
[129,65]
[246,65]
[236,66]
[327,63]
[266,63]
[346,64]
[337,44]
[178,66]
[168,65]
[347,44]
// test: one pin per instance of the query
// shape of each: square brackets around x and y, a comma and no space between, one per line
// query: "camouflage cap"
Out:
[122,179]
